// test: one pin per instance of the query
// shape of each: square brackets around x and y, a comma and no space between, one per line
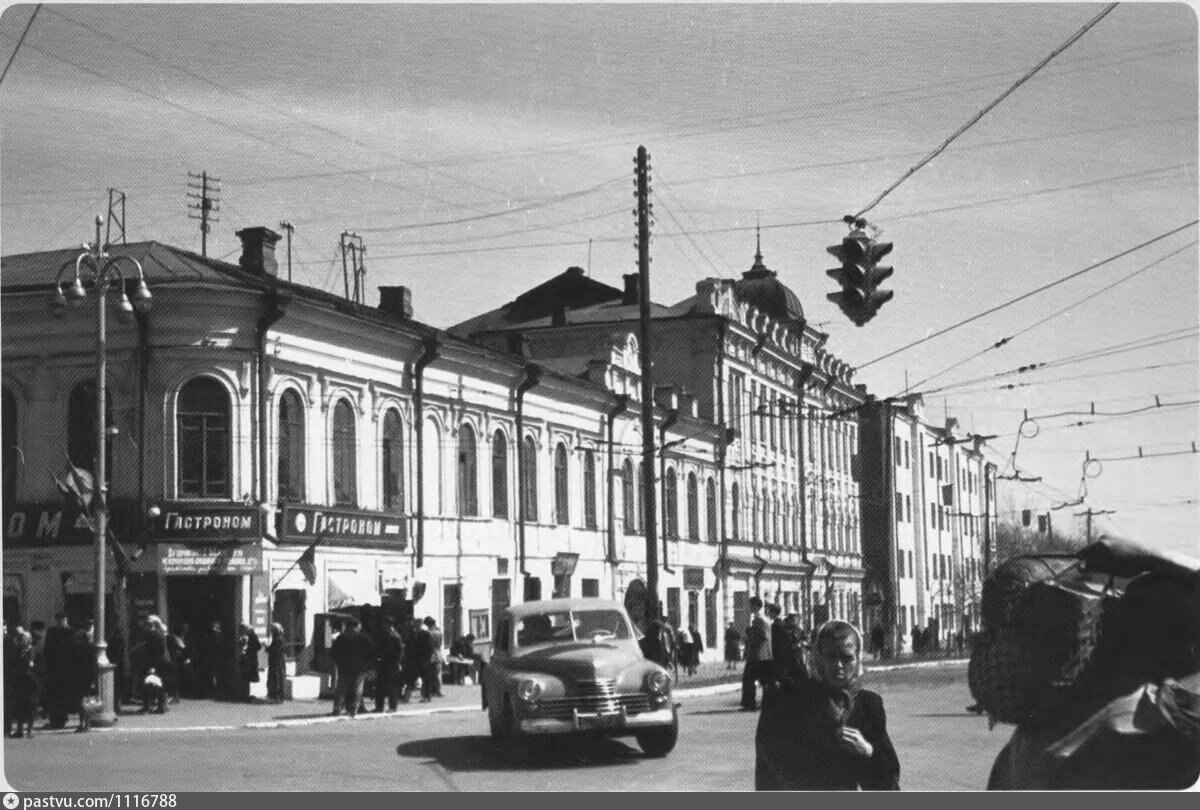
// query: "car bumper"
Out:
[615,723]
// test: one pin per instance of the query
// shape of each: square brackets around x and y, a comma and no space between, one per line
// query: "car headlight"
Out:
[529,690]
[658,682]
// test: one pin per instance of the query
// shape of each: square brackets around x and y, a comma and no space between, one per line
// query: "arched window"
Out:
[499,475]
[81,428]
[641,488]
[736,513]
[671,505]
[291,447]
[204,427]
[764,511]
[711,508]
[529,479]
[11,447]
[345,457]
[693,496]
[589,489]
[628,498]
[562,511]
[431,472]
[392,450]
[468,478]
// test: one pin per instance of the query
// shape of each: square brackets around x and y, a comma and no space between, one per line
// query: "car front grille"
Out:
[594,697]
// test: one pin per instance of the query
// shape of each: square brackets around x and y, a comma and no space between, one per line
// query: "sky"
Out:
[479,150]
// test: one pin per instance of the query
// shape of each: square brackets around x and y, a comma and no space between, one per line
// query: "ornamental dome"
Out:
[760,288]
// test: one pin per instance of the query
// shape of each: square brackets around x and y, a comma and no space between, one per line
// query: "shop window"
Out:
[393,462]
[345,456]
[288,611]
[291,447]
[468,480]
[204,427]
[480,625]
[499,475]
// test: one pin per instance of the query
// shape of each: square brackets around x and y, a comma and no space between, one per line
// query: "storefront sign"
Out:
[693,579]
[178,558]
[347,526]
[35,525]
[563,564]
[221,522]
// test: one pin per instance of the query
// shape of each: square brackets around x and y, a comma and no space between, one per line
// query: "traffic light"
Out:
[860,276]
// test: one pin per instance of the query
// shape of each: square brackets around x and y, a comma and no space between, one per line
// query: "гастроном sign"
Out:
[223,522]
[333,526]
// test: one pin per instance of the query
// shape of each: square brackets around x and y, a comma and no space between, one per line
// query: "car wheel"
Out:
[658,742]
[515,743]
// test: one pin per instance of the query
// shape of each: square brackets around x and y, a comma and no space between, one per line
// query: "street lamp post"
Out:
[99,271]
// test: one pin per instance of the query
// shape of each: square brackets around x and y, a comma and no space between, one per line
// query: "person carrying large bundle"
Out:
[1095,659]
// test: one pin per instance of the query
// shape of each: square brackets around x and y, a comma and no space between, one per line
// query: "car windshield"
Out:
[571,625]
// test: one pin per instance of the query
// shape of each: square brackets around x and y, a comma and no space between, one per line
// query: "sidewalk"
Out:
[711,678]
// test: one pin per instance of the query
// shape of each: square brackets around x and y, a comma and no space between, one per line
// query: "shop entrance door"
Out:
[201,600]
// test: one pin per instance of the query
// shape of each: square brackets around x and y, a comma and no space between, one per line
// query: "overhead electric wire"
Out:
[1030,294]
[975,119]
[1055,314]
[1056,380]
[1120,348]
[20,41]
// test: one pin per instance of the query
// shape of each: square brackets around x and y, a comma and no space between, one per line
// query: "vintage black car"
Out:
[571,667]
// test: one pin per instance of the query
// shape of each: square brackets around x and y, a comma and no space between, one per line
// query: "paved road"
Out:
[941,747]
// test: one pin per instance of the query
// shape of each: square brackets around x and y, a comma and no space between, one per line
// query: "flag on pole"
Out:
[308,562]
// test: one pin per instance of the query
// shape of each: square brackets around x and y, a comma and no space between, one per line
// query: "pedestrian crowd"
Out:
[51,672]
[393,660]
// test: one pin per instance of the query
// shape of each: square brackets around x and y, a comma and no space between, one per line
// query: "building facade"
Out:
[787,522]
[280,452]
[929,524]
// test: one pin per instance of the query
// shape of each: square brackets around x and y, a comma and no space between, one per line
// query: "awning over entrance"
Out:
[346,587]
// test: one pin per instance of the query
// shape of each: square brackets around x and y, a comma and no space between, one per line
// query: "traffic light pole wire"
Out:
[28,25]
[975,119]
[1053,315]
[1029,294]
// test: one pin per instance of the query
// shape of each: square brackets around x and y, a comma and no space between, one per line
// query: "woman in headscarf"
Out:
[821,730]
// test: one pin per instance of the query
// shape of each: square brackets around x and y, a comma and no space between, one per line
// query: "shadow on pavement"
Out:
[482,753]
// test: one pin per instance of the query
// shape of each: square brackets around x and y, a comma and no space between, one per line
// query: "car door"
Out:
[496,672]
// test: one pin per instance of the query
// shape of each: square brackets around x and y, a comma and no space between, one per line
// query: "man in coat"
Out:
[59,665]
[758,655]
[389,652]
[353,653]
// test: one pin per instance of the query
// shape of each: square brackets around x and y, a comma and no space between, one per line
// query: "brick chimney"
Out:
[396,301]
[258,251]
[632,288]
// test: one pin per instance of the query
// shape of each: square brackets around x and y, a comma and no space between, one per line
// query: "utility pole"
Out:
[642,182]
[116,203]
[204,188]
[352,244]
[1089,514]
[288,227]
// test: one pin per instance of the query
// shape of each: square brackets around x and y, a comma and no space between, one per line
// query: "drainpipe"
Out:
[274,308]
[429,353]
[621,406]
[671,418]
[533,376]
[727,434]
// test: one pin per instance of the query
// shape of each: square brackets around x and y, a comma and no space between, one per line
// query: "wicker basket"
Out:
[1043,645]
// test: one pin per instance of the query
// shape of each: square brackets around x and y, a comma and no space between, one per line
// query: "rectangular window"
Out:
[589,587]
[480,624]
[932,516]
[908,508]
[898,451]
[899,507]
[906,458]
